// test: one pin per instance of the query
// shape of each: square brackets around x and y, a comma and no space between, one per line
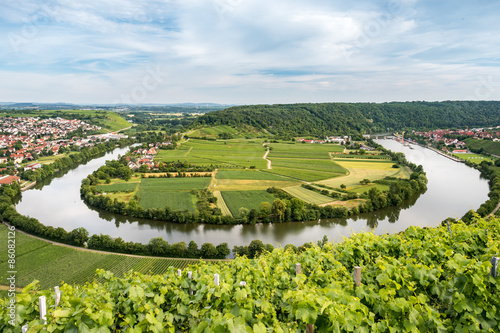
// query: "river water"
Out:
[453,189]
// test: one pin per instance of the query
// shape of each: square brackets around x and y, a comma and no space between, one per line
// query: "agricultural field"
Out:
[362,169]
[237,152]
[171,192]
[174,184]
[308,195]
[474,158]
[221,204]
[176,200]
[248,174]
[118,187]
[53,264]
[303,150]
[248,199]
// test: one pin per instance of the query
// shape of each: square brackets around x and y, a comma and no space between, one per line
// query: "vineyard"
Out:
[421,280]
[51,264]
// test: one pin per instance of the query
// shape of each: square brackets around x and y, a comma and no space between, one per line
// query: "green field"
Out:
[247,174]
[474,158]
[303,150]
[248,199]
[174,184]
[308,195]
[118,187]
[171,192]
[237,152]
[302,174]
[52,264]
[176,200]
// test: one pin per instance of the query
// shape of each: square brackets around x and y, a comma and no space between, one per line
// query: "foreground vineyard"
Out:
[421,280]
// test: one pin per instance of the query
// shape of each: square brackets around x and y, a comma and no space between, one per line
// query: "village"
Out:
[24,140]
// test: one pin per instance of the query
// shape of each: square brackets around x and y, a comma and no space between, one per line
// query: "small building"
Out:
[459,151]
[9,179]
[32,166]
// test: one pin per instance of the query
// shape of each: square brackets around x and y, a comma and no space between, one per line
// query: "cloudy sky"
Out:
[248,51]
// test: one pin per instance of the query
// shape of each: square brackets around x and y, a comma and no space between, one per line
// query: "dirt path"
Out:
[268,161]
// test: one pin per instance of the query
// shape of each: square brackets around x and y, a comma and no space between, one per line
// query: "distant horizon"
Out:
[234,104]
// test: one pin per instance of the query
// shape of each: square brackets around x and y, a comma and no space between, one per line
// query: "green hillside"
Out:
[346,118]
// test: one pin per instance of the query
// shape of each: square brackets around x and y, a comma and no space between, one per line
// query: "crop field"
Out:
[248,199]
[176,200]
[251,184]
[474,158]
[359,170]
[308,195]
[53,264]
[243,153]
[174,184]
[366,188]
[309,164]
[247,174]
[362,157]
[303,150]
[301,174]
[221,204]
[118,187]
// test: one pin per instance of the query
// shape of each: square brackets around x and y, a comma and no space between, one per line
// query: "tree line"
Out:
[320,119]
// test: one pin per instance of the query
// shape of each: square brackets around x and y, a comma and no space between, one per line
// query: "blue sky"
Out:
[248,51]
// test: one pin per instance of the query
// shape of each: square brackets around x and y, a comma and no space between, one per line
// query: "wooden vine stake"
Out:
[357,276]
[179,272]
[57,295]
[24,329]
[190,276]
[309,328]
[298,269]
[216,279]
[494,266]
[42,305]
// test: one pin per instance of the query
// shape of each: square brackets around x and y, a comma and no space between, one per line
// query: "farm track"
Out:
[268,161]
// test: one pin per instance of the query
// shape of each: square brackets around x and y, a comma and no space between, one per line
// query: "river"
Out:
[453,189]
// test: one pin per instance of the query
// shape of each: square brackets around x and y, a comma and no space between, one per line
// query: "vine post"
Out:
[357,276]
[298,269]
[42,305]
[57,295]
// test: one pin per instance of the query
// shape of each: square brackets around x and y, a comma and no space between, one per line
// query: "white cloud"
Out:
[246,51]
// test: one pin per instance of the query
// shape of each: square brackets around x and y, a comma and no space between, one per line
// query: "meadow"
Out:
[52,264]
[308,195]
[118,187]
[176,200]
[474,158]
[362,169]
[248,199]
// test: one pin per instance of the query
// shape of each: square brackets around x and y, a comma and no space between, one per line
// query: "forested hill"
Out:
[346,118]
